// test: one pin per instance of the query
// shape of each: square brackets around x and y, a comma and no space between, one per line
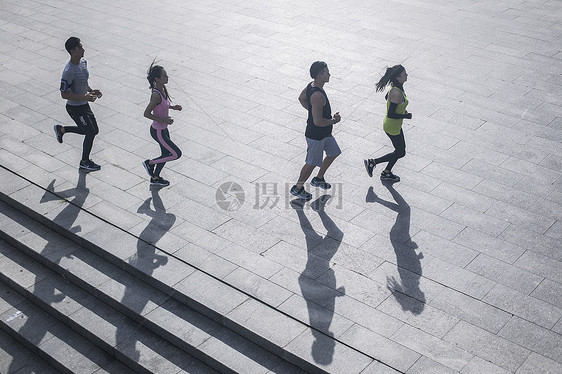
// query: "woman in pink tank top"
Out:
[157,110]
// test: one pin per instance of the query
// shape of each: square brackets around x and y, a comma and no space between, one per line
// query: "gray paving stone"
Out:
[471,310]
[354,259]
[540,365]
[550,292]
[541,265]
[481,153]
[489,245]
[111,239]
[476,220]
[210,293]
[203,217]
[431,202]
[15,358]
[153,353]
[114,366]
[78,355]
[64,298]
[206,261]
[504,273]
[268,323]
[533,337]
[238,354]
[524,306]
[534,242]
[555,231]
[17,268]
[493,173]
[478,365]
[487,346]
[200,236]
[435,246]
[378,368]
[382,349]
[103,324]
[9,298]
[427,365]
[356,286]
[406,282]
[520,217]
[463,196]
[438,225]
[328,354]
[431,347]
[297,259]
[321,318]
[249,259]
[458,278]
[257,286]
[367,316]
[418,314]
[558,327]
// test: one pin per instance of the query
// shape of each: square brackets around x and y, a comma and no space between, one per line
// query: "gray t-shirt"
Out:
[75,78]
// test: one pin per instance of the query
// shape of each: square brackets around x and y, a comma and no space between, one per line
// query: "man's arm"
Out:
[69,95]
[302,99]
[318,101]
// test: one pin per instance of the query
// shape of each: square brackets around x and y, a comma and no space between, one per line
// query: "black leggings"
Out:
[399,151]
[170,151]
[87,125]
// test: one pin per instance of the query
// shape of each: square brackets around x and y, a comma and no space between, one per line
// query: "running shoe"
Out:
[149,168]
[159,182]
[320,182]
[89,165]
[369,165]
[300,193]
[58,132]
[388,176]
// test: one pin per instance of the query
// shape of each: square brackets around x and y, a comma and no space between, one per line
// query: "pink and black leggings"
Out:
[170,151]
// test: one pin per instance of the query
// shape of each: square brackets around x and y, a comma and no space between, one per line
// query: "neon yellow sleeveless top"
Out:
[392,126]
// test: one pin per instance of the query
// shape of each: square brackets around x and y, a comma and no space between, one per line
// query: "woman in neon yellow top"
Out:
[396,102]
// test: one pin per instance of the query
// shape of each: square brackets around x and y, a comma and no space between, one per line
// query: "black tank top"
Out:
[313,131]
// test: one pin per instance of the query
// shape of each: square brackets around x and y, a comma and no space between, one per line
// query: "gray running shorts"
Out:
[316,149]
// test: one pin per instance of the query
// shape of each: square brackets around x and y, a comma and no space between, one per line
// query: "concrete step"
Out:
[118,311]
[277,331]
[16,358]
[54,346]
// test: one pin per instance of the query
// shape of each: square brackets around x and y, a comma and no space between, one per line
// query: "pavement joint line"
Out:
[11,202]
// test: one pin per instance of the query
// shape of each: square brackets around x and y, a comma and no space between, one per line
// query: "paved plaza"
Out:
[455,269]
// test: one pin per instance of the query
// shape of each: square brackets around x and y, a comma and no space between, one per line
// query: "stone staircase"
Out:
[83,295]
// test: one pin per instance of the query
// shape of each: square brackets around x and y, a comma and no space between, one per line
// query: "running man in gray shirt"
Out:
[75,89]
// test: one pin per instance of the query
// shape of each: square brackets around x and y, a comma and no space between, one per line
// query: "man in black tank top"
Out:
[318,131]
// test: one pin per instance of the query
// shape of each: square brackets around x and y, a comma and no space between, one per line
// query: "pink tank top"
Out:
[161,110]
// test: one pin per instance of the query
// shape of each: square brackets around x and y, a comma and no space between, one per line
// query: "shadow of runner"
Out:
[147,260]
[320,250]
[407,260]
[48,289]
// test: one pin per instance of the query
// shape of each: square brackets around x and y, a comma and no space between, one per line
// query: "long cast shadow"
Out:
[46,289]
[319,299]
[407,260]
[147,260]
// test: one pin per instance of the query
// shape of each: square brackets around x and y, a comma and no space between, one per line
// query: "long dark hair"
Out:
[155,71]
[389,77]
